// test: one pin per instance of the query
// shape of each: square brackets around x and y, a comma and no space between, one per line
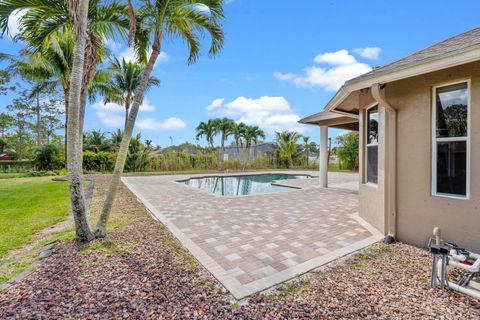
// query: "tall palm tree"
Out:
[124,80]
[163,19]
[224,127]
[45,22]
[207,130]
[52,66]
[286,145]
[306,147]
[74,158]
[251,136]
[238,132]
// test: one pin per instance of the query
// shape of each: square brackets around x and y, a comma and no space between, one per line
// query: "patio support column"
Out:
[324,156]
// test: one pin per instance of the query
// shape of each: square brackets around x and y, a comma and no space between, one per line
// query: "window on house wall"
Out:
[371,151]
[450,148]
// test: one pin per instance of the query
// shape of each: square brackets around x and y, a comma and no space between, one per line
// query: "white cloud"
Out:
[112,45]
[215,104]
[110,120]
[14,22]
[371,53]
[269,113]
[114,107]
[337,68]
[112,114]
[129,55]
[168,124]
[337,58]
[284,76]
[330,78]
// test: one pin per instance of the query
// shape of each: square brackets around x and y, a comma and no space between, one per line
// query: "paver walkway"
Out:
[251,243]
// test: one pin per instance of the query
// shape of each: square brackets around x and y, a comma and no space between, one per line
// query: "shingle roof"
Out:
[459,42]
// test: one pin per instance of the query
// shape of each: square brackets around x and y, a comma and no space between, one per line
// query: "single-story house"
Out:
[419,125]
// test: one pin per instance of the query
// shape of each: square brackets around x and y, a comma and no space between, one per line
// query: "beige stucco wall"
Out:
[372,198]
[417,210]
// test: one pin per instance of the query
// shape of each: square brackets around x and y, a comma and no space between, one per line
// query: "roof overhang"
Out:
[425,66]
[337,120]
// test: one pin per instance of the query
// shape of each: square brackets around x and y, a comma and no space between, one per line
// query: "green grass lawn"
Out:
[28,205]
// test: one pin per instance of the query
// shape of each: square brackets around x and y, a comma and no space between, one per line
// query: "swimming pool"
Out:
[241,185]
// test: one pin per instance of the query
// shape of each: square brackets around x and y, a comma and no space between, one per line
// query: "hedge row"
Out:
[14,166]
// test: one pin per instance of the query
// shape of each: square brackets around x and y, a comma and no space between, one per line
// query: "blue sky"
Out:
[280,62]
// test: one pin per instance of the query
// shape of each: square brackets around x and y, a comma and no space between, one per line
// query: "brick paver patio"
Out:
[251,243]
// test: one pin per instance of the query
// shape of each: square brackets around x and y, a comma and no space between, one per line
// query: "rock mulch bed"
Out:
[141,272]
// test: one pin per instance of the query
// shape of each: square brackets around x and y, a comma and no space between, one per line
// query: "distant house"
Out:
[234,152]
[419,124]
[186,147]
[5,157]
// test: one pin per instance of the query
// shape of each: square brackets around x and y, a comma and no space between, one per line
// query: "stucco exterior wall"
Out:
[371,197]
[417,210]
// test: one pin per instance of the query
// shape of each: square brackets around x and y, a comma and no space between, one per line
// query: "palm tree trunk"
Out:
[39,139]
[126,120]
[66,94]
[74,164]
[222,152]
[101,228]
[127,107]
[289,162]
[307,156]
[81,118]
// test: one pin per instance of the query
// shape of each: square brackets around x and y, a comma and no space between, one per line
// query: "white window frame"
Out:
[450,139]
[373,184]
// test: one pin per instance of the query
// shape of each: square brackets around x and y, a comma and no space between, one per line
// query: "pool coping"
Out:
[274,183]
[227,277]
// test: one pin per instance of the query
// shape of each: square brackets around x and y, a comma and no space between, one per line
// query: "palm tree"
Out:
[306,147]
[124,80]
[52,65]
[251,135]
[74,157]
[238,132]
[185,19]
[207,130]
[44,22]
[96,141]
[138,154]
[224,127]
[116,137]
[286,145]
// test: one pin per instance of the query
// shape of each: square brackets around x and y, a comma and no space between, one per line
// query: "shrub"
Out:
[41,173]
[232,165]
[262,161]
[177,161]
[347,150]
[14,166]
[49,157]
[99,162]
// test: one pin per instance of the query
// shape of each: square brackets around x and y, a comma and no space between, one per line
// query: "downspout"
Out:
[390,161]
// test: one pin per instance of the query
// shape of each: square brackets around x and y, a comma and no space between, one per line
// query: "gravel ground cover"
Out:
[141,272]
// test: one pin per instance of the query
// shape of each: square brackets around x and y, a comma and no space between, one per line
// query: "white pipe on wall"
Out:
[390,159]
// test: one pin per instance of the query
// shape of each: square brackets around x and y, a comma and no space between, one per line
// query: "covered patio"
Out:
[325,120]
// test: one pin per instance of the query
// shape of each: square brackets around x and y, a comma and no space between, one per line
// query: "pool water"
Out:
[241,185]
